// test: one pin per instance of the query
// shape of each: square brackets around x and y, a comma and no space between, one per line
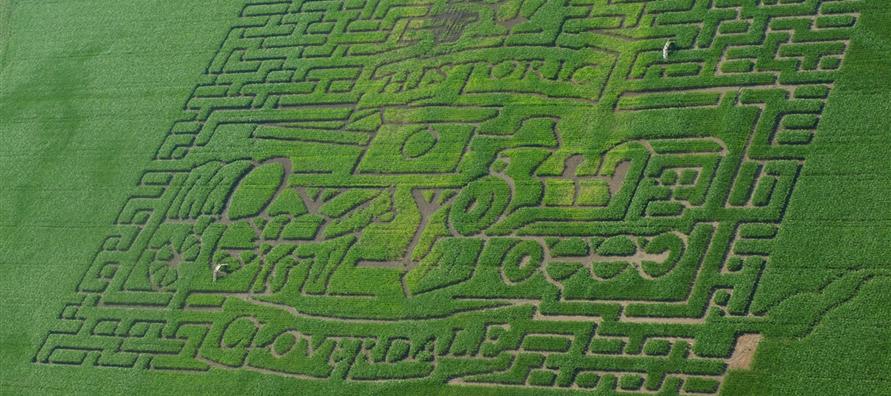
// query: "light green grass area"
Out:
[445,197]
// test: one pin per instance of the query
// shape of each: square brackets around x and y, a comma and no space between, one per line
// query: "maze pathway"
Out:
[500,193]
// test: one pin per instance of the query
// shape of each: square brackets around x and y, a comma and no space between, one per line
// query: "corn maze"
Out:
[499,193]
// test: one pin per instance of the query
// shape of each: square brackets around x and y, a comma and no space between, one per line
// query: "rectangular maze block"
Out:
[539,194]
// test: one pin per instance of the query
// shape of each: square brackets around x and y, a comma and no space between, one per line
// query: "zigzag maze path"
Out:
[517,193]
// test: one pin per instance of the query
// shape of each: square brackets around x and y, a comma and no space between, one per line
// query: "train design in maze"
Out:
[513,193]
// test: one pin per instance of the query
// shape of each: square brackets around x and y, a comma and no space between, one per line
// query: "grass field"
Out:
[448,197]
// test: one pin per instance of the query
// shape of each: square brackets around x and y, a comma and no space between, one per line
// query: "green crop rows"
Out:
[503,194]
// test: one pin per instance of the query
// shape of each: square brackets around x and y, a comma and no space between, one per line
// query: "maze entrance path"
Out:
[502,193]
